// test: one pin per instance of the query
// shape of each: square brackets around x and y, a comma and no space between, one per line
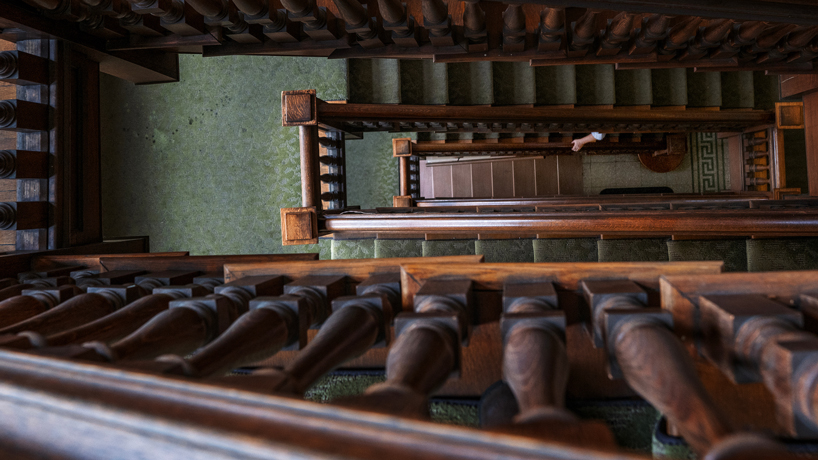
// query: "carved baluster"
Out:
[680,35]
[426,351]
[24,215]
[319,23]
[643,350]
[402,26]
[271,324]
[752,338]
[617,33]
[742,35]
[332,165]
[552,29]
[275,22]
[356,324]
[86,279]
[174,15]
[437,20]
[474,22]
[708,38]
[23,68]
[654,29]
[806,54]
[359,23]
[225,14]
[767,40]
[796,40]
[535,366]
[513,28]
[33,283]
[61,313]
[29,302]
[134,23]
[22,164]
[584,33]
[23,116]
[76,11]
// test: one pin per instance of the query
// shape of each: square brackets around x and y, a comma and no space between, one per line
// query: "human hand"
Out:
[576,145]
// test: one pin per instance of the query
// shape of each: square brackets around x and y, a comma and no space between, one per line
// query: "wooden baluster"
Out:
[535,366]
[357,324]
[7,282]
[708,38]
[643,350]
[71,313]
[474,22]
[438,22]
[513,28]
[584,33]
[402,26]
[654,29]
[742,35]
[29,302]
[23,116]
[275,22]
[767,40]
[134,23]
[23,68]
[22,164]
[24,215]
[174,15]
[310,180]
[680,35]
[751,338]
[426,351]
[796,40]
[414,177]
[319,23]
[617,33]
[332,166]
[86,279]
[552,29]
[359,23]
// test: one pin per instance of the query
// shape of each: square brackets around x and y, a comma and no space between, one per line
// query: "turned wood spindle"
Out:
[76,311]
[396,20]
[708,38]
[796,40]
[585,30]
[211,9]
[618,31]
[310,172]
[252,7]
[552,29]
[436,20]
[474,21]
[680,34]
[352,12]
[513,28]
[19,307]
[653,30]
[768,39]
[653,361]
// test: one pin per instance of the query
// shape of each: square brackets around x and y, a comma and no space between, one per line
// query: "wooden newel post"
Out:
[402,149]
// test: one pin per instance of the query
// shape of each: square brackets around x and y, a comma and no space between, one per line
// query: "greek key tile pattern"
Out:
[709,165]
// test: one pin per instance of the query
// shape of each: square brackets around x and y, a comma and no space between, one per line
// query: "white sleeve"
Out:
[598,136]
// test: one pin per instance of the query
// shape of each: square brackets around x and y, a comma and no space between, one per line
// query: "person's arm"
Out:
[577,144]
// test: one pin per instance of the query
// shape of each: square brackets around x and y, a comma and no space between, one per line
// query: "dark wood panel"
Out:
[481,180]
[442,181]
[547,179]
[461,180]
[811,137]
[502,179]
[569,169]
[794,85]
[524,178]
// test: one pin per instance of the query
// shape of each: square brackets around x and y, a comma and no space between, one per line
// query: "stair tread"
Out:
[737,90]
[669,87]
[595,84]
[634,87]
[423,82]
[470,83]
[373,81]
[703,89]
[513,83]
[555,85]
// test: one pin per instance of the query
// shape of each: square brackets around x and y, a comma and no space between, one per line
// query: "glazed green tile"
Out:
[521,250]
[565,250]
[423,82]
[556,85]
[633,250]
[669,87]
[204,164]
[513,83]
[634,87]
[703,89]
[737,91]
[398,248]
[732,252]
[470,83]
[439,248]
[373,81]
[353,249]
[782,254]
[595,84]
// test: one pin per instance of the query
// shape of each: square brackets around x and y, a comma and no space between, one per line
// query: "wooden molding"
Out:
[299,226]
[402,147]
[789,115]
[402,201]
[299,108]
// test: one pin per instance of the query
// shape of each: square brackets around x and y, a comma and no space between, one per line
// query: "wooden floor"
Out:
[503,178]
